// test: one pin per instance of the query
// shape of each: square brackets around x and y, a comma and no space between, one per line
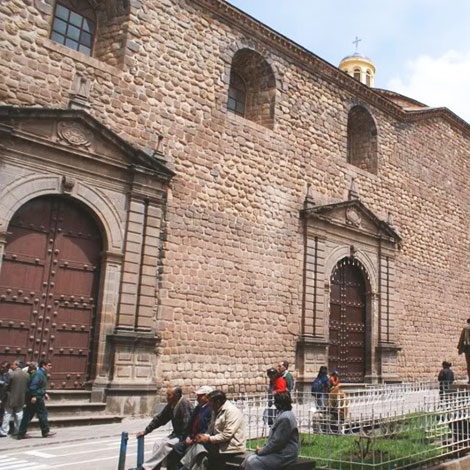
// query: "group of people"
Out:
[212,434]
[22,396]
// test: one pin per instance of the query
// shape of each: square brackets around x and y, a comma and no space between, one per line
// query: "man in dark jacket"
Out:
[464,345]
[4,368]
[178,410]
[17,387]
[35,401]
[198,423]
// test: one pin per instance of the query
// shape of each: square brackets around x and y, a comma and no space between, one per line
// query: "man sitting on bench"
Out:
[226,438]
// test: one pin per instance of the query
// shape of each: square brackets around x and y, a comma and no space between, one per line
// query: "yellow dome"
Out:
[360,67]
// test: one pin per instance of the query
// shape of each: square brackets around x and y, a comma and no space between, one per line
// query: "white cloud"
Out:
[438,81]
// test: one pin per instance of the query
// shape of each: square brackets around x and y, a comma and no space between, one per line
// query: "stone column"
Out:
[111,265]
[3,242]
[134,242]
[147,289]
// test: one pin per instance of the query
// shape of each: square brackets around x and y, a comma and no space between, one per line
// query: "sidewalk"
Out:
[81,433]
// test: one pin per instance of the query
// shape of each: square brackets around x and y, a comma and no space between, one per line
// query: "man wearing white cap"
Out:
[198,422]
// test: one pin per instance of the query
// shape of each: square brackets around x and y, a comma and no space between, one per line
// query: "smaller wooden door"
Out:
[347,346]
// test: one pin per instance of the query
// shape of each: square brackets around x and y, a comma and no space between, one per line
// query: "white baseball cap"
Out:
[204,390]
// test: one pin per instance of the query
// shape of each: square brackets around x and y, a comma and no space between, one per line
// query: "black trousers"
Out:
[217,460]
[39,409]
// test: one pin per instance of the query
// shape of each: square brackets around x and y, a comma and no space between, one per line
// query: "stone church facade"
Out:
[188,196]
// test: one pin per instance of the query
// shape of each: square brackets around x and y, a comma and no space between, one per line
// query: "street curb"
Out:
[39,441]
[82,434]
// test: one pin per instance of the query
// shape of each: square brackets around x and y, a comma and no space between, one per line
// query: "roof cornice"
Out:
[327,71]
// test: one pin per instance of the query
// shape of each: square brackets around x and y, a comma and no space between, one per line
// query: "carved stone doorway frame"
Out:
[331,233]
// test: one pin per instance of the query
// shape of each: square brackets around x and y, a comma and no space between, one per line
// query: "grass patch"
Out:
[398,444]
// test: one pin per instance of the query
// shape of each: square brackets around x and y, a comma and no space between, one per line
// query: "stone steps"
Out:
[67,408]
[69,395]
[72,408]
[78,420]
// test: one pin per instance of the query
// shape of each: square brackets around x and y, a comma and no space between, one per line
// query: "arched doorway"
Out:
[347,329]
[48,287]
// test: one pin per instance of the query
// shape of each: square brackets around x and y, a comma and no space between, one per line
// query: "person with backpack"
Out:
[320,387]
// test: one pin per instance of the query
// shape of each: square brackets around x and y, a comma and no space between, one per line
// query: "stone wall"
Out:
[232,274]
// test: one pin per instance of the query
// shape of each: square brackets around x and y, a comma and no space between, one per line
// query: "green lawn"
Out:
[402,444]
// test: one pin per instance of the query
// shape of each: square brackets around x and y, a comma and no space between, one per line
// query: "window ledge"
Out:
[240,120]
[354,170]
[78,56]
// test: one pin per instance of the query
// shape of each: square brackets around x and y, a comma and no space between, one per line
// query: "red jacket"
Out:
[279,385]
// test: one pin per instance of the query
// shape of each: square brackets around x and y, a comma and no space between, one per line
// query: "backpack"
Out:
[317,385]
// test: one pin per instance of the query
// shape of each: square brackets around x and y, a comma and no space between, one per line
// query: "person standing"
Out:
[320,387]
[445,379]
[178,410]
[277,383]
[464,345]
[283,368]
[282,447]
[17,387]
[334,379]
[4,368]
[35,401]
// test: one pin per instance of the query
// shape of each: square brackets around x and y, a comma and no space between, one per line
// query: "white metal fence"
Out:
[384,427]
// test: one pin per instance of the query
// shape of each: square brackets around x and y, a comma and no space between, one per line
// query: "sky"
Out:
[420,48]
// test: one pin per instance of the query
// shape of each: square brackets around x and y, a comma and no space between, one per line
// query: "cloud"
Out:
[438,81]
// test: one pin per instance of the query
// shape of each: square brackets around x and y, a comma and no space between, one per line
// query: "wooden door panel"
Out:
[74,282]
[347,322]
[48,281]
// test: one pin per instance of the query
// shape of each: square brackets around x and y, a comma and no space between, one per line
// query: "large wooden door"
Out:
[347,322]
[48,288]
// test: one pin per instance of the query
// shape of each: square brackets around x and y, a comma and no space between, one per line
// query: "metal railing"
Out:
[384,427]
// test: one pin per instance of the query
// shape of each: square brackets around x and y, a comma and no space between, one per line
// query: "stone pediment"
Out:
[355,216]
[76,131]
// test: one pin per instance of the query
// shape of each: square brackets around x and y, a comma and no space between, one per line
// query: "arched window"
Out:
[252,88]
[362,140]
[357,74]
[74,25]
[236,94]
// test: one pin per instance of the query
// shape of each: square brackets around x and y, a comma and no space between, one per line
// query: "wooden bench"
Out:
[301,464]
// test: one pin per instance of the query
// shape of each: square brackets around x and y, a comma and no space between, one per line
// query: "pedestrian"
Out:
[277,383]
[283,368]
[226,438]
[334,379]
[36,397]
[31,368]
[4,368]
[17,387]
[445,379]
[337,406]
[320,387]
[177,410]
[464,345]
[282,447]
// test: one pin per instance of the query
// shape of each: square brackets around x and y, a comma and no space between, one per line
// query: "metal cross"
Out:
[357,41]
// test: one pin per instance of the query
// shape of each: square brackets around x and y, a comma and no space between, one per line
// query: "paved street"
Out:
[80,448]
